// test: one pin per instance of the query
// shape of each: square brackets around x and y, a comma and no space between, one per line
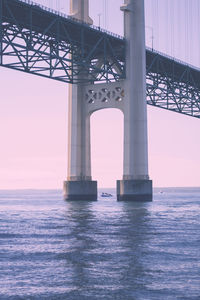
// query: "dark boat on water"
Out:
[106,195]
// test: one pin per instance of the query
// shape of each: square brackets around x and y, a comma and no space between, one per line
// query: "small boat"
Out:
[106,195]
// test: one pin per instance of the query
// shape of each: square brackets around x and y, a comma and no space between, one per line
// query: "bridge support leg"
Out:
[135,184]
[79,184]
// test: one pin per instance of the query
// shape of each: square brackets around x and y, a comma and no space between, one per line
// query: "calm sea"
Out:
[50,249]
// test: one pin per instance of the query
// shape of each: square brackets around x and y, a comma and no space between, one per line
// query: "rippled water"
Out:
[50,249]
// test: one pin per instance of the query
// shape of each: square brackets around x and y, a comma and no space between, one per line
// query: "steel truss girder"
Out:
[42,43]
[173,86]
[60,48]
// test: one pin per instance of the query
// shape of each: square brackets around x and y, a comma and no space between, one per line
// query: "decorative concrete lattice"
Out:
[104,94]
[99,96]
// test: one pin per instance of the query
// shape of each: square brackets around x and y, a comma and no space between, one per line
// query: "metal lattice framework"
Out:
[52,45]
[47,43]
[172,85]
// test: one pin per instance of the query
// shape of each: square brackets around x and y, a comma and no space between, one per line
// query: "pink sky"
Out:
[33,114]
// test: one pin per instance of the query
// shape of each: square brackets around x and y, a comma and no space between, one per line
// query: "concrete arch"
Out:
[102,96]
[105,108]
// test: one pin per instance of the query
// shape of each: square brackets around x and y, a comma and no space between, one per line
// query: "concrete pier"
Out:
[135,184]
[134,190]
[86,99]
[79,184]
[80,190]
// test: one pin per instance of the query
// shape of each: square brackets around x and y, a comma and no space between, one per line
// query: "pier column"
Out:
[135,184]
[79,184]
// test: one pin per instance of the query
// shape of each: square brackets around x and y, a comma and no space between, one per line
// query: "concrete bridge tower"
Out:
[129,96]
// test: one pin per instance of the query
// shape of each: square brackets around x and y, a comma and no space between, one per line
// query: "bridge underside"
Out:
[43,43]
[172,85]
[40,42]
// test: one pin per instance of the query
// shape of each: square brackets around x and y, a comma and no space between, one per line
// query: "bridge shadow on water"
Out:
[107,254]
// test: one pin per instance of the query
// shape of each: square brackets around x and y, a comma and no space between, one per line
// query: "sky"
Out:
[33,112]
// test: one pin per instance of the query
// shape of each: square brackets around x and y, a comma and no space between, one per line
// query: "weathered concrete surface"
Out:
[135,184]
[80,190]
[79,9]
[79,184]
[134,190]
[135,110]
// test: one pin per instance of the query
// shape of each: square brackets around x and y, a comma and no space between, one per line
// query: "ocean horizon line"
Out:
[99,188]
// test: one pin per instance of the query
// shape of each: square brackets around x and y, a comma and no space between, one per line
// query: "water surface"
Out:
[51,249]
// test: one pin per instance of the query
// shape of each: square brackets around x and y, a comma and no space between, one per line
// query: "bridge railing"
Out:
[173,58]
[56,12]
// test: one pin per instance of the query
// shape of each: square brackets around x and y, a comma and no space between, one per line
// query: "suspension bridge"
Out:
[44,42]
[45,50]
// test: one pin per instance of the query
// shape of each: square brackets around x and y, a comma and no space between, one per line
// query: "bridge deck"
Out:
[42,42]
